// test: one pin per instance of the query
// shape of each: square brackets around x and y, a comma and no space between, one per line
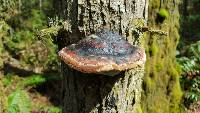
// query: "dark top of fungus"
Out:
[104,52]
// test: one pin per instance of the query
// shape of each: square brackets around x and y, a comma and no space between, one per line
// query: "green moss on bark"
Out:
[162,92]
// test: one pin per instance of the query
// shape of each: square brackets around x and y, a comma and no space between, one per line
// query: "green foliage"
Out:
[49,109]
[52,110]
[38,79]
[194,50]
[7,8]
[18,102]
[33,80]
[6,4]
[188,65]
[189,60]
[37,20]
[192,89]
[193,95]
[7,80]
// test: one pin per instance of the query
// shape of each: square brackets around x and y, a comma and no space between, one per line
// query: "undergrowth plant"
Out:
[189,61]
[18,100]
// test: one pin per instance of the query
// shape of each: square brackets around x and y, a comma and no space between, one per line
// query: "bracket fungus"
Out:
[104,52]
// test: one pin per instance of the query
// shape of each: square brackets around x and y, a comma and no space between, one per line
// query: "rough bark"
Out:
[88,93]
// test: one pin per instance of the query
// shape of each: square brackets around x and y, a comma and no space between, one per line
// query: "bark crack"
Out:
[76,95]
[91,23]
[99,97]
[120,20]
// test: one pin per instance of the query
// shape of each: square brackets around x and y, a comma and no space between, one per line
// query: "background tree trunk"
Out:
[88,93]
[162,91]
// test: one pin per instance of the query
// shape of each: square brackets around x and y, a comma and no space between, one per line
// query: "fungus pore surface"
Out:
[102,53]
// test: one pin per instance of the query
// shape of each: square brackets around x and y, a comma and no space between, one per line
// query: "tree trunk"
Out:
[89,93]
[162,91]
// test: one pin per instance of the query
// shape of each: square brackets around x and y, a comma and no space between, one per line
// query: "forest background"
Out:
[30,79]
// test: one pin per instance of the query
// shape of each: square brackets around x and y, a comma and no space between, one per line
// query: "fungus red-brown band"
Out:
[99,65]
[104,51]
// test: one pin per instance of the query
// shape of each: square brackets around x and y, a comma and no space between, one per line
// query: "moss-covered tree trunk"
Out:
[162,92]
[84,93]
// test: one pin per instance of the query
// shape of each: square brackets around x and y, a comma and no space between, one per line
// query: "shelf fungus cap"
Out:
[105,53]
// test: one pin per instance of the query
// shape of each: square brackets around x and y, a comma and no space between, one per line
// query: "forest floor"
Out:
[194,108]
